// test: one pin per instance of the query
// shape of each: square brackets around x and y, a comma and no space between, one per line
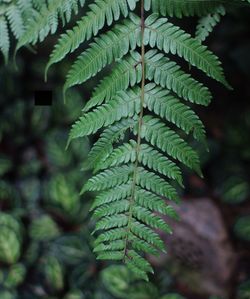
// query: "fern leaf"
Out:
[177,8]
[14,17]
[116,194]
[158,134]
[100,12]
[156,184]
[206,24]
[154,203]
[163,104]
[4,38]
[147,234]
[148,157]
[165,36]
[119,220]
[112,209]
[111,235]
[109,179]
[114,245]
[46,20]
[148,218]
[127,73]
[112,255]
[108,47]
[123,105]
[104,145]
[141,245]
[169,75]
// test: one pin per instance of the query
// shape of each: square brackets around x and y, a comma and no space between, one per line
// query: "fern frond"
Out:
[158,134]
[148,157]
[154,203]
[111,235]
[142,110]
[15,20]
[163,104]
[46,20]
[104,145]
[109,178]
[107,48]
[152,182]
[4,38]
[168,74]
[207,23]
[150,219]
[123,105]
[111,209]
[13,17]
[117,193]
[147,234]
[126,73]
[165,36]
[100,12]
[178,8]
[114,221]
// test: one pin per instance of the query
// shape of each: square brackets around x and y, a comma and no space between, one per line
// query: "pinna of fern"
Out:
[12,19]
[143,114]
[32,20]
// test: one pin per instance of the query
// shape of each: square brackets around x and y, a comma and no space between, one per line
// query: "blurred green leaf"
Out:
[244,290]
[57,155]
[76,294]
[10,239]
[62,194]
[44,228]
[54,273]
[242,228]
[15,276]
[71,249]
[172,296]
[10,246]
[121,283]
[7,295]
[235,190]
[5,165]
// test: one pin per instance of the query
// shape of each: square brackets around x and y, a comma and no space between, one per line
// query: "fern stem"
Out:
[140,122]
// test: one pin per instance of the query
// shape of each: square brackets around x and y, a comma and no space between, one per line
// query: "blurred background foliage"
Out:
[45,226]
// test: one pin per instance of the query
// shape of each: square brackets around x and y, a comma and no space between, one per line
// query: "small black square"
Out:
[43,97]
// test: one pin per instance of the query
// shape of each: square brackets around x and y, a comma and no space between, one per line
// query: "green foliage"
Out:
[46,20]
[15,276]
[55,259]
[43,228]
[54,272]
[12,18]
[172,296]
[62,195]
[207,23]
[142,112]
[244,290]
[5,165]
[242,228]
[235,189]
[10,239]
[30,21]
[120,282]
